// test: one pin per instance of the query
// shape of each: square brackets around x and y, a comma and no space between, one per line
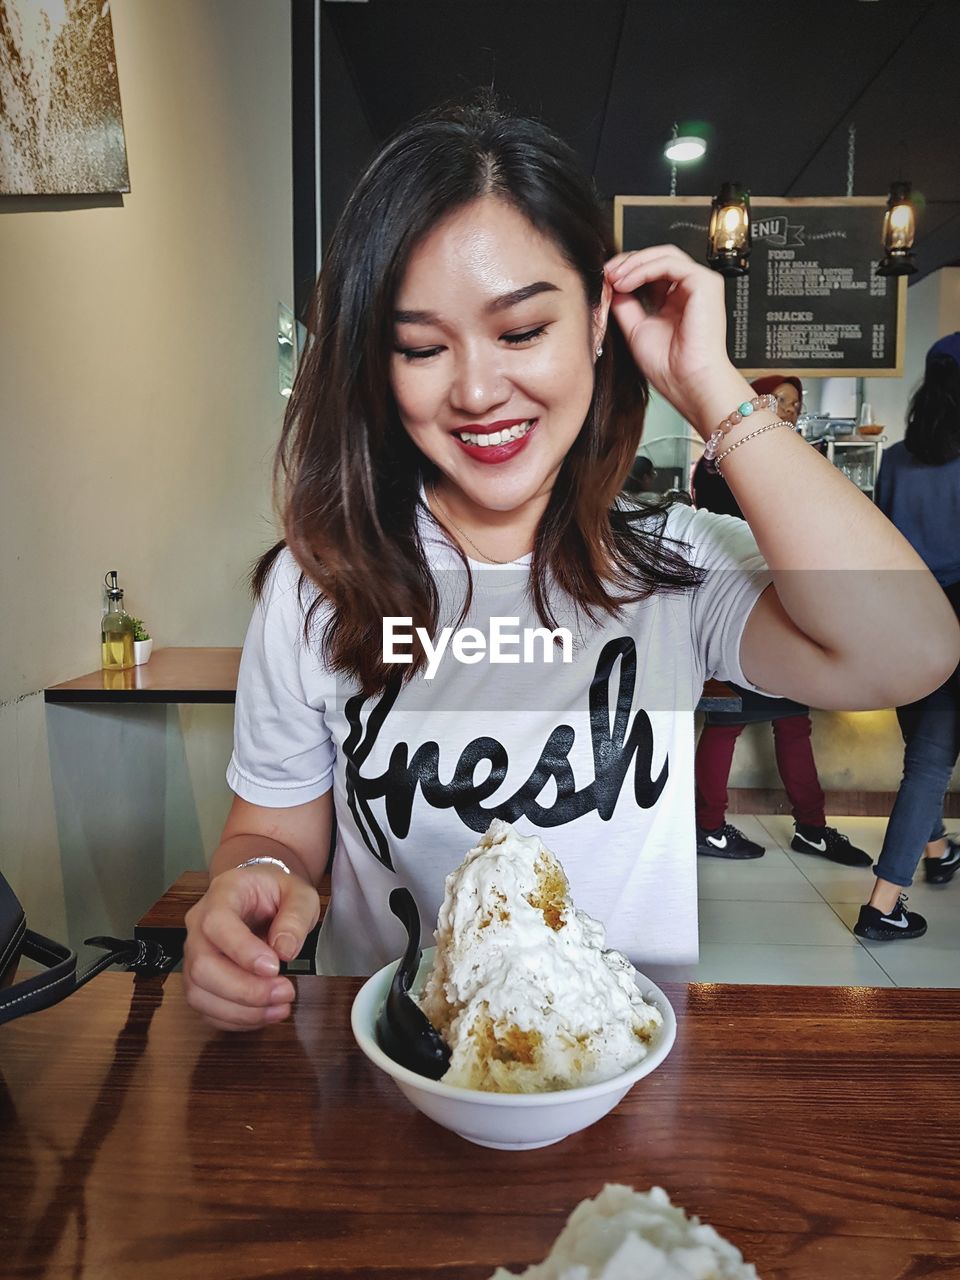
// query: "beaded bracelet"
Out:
[734,419]
[770,426]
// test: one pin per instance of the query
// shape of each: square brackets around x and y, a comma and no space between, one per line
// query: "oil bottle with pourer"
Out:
[116,629]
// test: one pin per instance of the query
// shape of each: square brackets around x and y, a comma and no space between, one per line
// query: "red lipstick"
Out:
[495,453]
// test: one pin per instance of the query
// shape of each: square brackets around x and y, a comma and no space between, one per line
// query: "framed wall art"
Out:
[61,127]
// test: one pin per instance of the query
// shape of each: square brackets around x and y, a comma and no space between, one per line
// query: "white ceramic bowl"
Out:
[508,1121]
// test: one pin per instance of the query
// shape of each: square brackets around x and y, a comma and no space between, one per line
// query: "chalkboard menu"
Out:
[811,303]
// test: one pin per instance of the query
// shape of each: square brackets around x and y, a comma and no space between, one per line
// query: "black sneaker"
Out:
[895,925]
[727,842]
[940,870]
[829,844]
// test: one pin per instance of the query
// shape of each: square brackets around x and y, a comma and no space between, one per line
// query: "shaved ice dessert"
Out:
[630,1235]
[521,988]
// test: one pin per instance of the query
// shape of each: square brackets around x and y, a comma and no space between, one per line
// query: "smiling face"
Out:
[492,368]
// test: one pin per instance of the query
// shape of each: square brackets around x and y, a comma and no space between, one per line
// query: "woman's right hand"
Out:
[679,343]
[249,920]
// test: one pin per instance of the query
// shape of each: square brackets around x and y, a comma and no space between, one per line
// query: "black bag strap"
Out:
[40,990]
[59,977]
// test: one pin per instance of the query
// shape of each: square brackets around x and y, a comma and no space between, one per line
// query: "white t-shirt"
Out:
[595,755]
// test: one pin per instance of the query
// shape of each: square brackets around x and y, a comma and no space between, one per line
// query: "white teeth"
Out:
[496,437]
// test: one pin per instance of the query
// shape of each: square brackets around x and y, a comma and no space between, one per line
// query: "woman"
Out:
[463,421]
[918,488]
[792,728]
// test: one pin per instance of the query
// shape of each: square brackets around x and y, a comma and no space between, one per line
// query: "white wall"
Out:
[139,413]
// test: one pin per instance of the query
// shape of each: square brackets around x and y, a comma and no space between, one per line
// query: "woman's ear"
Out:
[601,313]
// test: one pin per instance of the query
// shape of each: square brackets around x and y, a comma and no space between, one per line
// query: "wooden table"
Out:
[210,675]
[817,1128]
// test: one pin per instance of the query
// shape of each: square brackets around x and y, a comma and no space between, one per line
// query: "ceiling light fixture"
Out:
[683,150]
[729,239]
[899,232]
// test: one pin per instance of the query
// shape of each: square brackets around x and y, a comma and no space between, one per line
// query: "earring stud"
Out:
[599,350]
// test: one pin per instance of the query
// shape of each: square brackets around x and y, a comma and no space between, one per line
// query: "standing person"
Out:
[466,413]
[792,728]
[918,489]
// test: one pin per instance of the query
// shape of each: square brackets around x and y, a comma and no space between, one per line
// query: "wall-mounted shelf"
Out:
[172,675]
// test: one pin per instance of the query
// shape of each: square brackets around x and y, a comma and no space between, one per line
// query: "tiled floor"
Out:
[787,918]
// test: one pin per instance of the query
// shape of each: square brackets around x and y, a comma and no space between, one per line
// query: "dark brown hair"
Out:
[933,420]
[349,478]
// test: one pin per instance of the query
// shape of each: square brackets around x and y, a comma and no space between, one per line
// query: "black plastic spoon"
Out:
[404,1031]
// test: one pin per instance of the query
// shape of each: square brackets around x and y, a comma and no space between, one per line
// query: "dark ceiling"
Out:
[777,82]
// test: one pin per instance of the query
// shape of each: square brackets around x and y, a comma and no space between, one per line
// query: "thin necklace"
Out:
[447,516]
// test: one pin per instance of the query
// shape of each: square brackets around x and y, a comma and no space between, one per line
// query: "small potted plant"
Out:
[142,643]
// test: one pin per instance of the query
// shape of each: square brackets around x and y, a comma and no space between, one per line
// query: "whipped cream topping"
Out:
[641,1235]
[521,987]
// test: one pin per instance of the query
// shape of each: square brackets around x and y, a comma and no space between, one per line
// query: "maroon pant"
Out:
[791,739]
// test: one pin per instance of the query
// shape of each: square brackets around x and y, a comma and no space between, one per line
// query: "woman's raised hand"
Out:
[249,920]
[677,334]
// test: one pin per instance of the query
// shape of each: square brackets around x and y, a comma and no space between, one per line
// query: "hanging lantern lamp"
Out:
[899,232]
[728,250]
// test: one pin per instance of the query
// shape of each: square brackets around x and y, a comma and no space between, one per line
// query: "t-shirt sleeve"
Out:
[736,576]
[283,753]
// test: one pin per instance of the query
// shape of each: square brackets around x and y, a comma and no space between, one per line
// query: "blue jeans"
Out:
[931,734]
